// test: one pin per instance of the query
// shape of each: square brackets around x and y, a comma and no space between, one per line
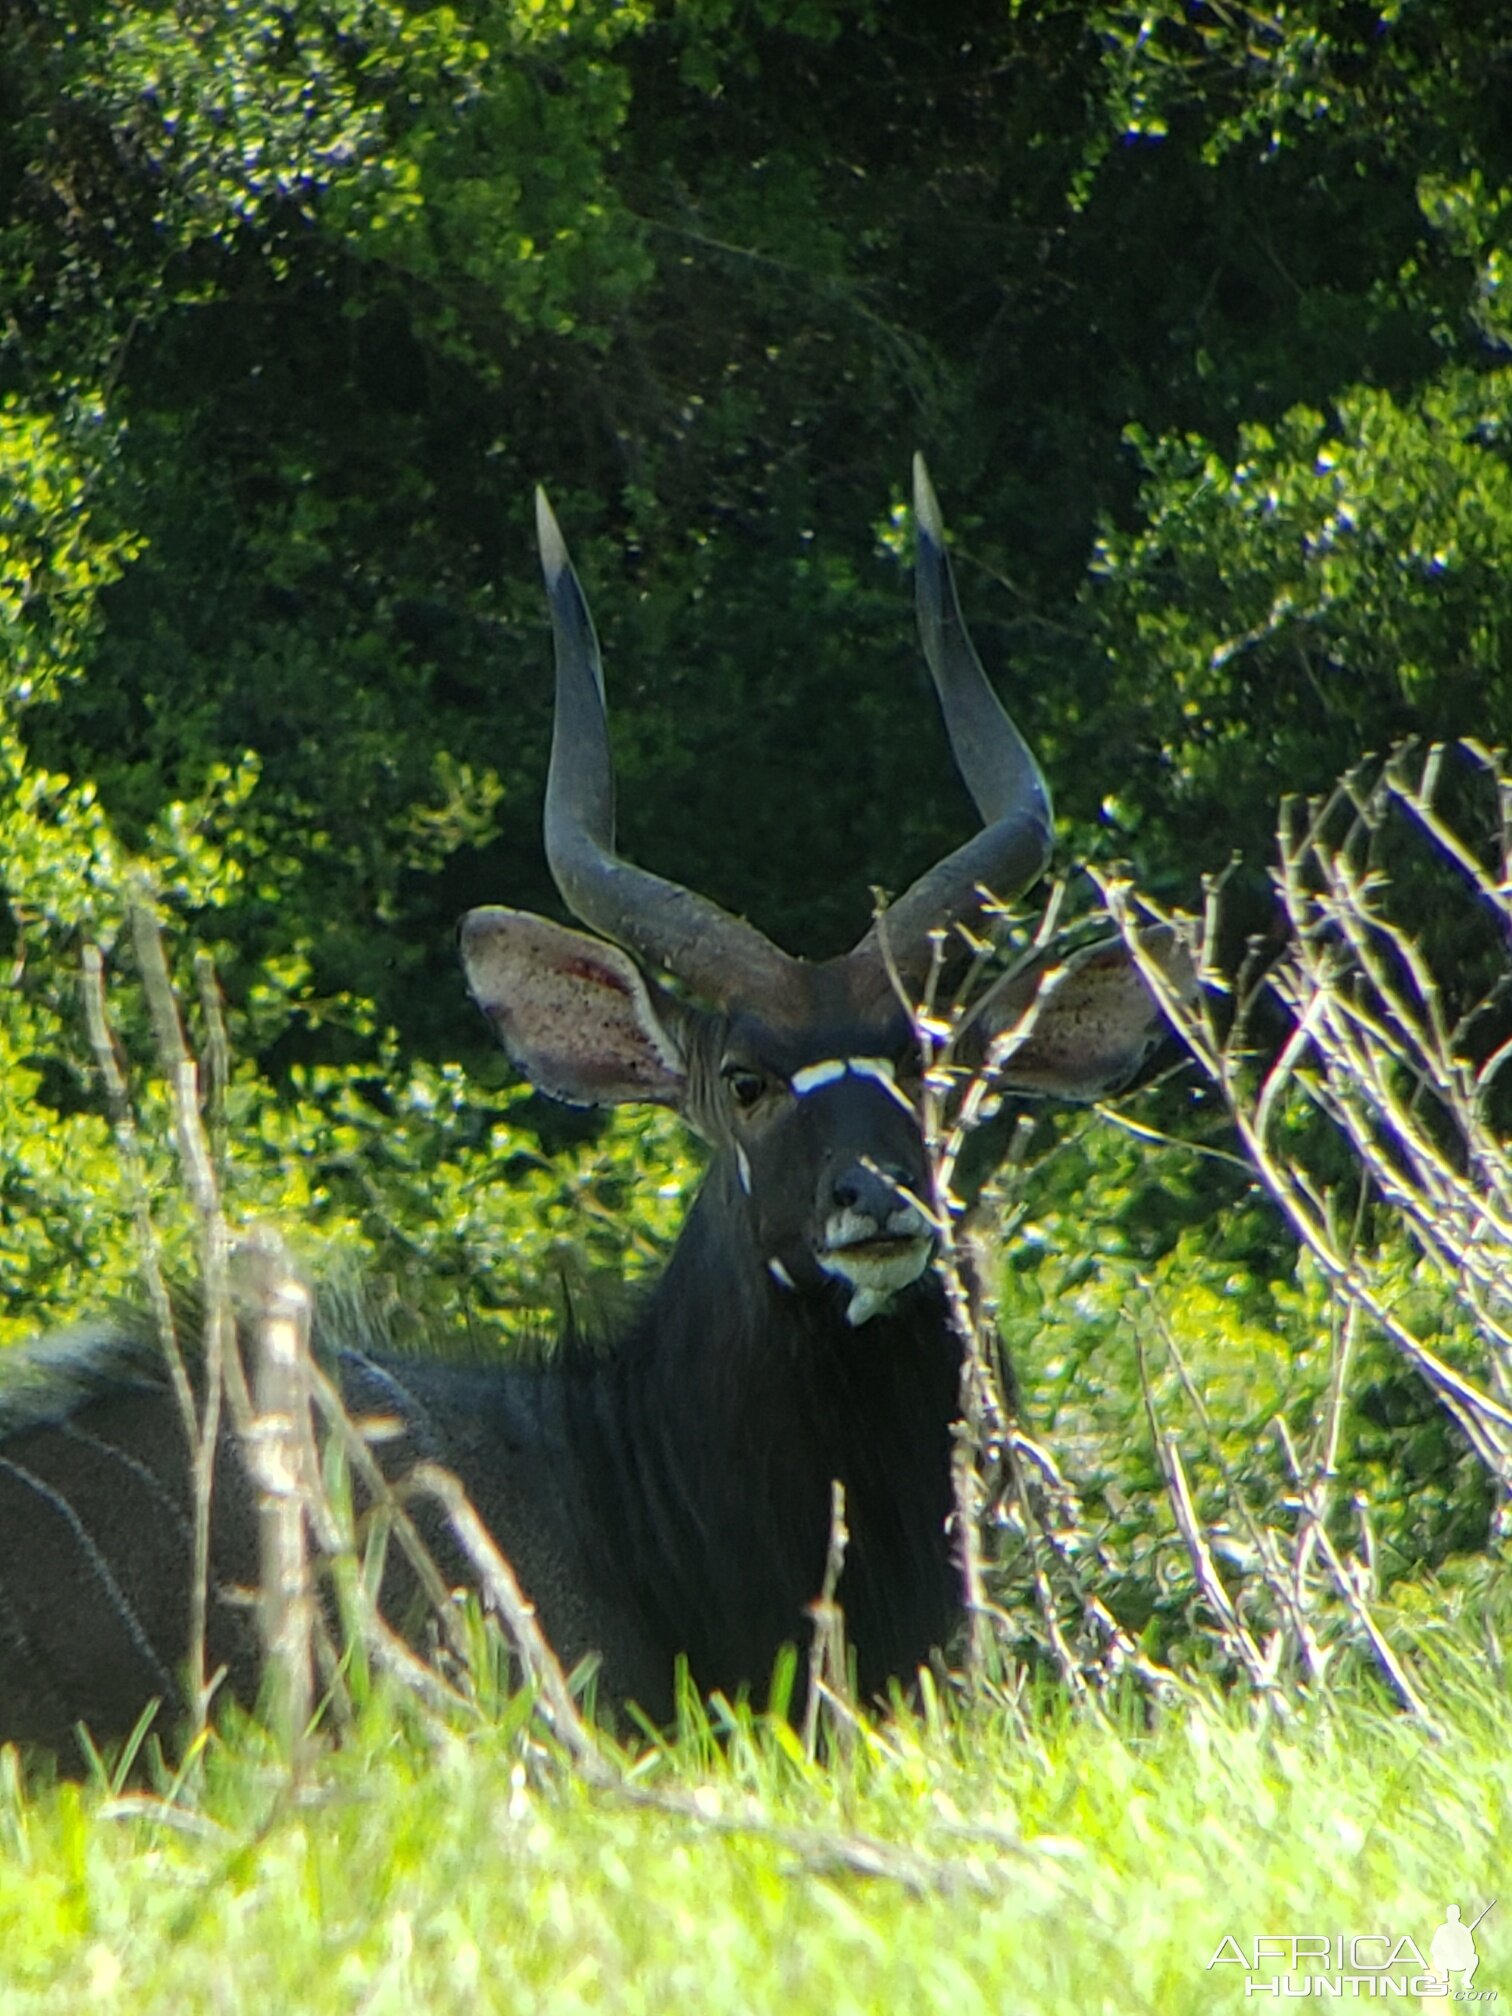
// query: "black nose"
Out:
[873,1189]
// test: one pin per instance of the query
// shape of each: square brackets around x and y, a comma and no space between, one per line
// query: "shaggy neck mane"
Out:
[714,1431]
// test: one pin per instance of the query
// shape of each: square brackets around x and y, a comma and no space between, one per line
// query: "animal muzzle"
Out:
[876,1240]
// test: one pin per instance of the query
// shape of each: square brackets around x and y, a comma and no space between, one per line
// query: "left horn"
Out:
[717,955]
[992,756]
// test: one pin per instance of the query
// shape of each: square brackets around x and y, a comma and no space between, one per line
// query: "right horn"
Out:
[993,758]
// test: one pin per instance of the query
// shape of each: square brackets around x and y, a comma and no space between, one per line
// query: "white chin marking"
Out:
[876,1278]
[863,1305]
[779,1274]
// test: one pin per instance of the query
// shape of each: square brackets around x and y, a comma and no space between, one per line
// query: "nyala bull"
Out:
[668,1497]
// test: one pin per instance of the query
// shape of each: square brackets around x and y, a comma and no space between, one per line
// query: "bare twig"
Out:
[1370,1049]
[502,1592]
[1373,1048]
[827,1677]
[133,1164]
[280,1451]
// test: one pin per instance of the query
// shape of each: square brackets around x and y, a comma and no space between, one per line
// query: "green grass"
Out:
[1035,1860]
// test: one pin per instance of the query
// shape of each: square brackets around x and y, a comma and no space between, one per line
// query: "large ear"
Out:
[578,1016]
[1097,1020]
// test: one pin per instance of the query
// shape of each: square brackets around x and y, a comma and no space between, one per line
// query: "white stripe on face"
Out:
[814,1076]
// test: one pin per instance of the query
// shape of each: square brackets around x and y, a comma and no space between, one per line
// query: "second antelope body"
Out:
[669,1496]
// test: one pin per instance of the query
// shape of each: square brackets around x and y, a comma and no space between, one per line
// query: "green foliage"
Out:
[376,1157]
[1123,1327]
[1329,587]
[53,563]
[438,1200]
[338,284]
[955,1862]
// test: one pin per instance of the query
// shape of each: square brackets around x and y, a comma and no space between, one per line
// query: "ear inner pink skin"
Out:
[1096,1021]
[574,1013]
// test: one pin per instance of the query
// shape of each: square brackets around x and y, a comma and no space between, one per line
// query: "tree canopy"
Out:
[1199,312]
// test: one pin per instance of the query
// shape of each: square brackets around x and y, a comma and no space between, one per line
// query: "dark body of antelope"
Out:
[671,1495]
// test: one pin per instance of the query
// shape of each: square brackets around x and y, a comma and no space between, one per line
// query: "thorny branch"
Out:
[970,1049]
[1408,1078]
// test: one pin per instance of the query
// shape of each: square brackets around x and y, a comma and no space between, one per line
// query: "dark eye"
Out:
[745,1085]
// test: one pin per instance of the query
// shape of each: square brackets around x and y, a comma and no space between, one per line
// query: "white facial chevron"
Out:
[814,1076]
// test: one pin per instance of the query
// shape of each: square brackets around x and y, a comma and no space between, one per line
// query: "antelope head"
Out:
[801,1075]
